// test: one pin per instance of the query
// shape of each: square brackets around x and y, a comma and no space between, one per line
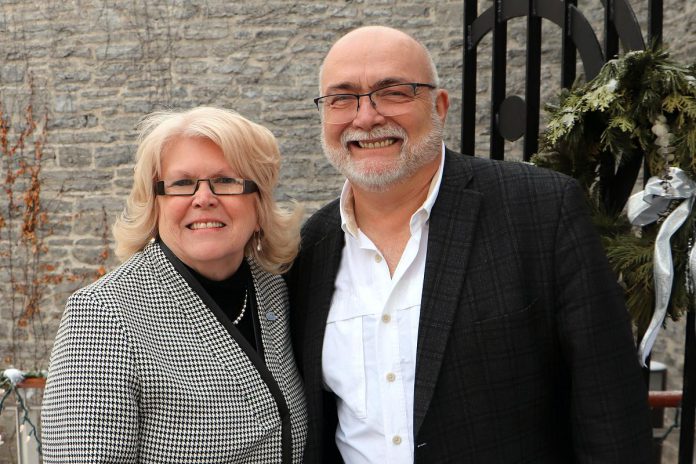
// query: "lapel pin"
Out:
[270,315]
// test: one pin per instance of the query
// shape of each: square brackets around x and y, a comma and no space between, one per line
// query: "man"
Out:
[450,308]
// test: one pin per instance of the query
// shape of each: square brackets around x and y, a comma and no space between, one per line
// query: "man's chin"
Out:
[375,177]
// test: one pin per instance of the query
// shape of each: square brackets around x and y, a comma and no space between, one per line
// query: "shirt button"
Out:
[386,318]
[396,440]
[391,377]
[378,259]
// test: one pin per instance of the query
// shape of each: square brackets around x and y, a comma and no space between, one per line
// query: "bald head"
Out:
[375,45]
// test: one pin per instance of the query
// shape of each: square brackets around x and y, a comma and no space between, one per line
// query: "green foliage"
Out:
[598,127]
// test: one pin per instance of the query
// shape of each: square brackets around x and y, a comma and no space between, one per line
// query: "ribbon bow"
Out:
[647,207]
[14,376]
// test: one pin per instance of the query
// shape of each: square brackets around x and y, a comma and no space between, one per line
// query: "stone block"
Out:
[138,106]
[88,225]
[98,94]
[71,74]
[71,121]
[82,136]
[228,68]
[74,156]
[125,183]
[100,204]
[124,125]
[64,103]
[85,254]
[295,167]
[115,155]
[119,51]
[12,73]
[191,67]
[73,50]
[206,31]
[84,181]
[190,50]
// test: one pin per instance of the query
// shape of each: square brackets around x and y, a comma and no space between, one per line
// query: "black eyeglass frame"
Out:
[248,186]
[357,96]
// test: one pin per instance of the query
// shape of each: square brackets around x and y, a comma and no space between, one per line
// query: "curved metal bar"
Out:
[582,33]
[627,27]
[587,44]
[569,54]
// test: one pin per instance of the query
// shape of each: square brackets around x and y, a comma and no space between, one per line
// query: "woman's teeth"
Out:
[206,225]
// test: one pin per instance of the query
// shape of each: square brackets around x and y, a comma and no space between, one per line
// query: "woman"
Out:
[182,354]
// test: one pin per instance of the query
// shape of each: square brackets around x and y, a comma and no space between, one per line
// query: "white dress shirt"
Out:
[369,352]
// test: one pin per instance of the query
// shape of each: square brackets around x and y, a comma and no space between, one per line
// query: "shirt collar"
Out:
[422,214]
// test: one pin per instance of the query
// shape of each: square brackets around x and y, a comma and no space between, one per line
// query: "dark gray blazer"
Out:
[525,353]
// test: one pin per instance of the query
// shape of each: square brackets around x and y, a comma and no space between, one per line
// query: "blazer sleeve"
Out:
[90,407]
[609,410]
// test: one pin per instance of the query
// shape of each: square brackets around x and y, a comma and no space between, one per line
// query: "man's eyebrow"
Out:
[342,87]
[389,81]
[355,88]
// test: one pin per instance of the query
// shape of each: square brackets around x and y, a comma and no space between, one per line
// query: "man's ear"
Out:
[442,103]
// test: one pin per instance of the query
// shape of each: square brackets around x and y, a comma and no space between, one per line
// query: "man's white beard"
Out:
[379,175]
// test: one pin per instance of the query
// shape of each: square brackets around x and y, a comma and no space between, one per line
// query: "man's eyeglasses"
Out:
[391,100]
[218,185]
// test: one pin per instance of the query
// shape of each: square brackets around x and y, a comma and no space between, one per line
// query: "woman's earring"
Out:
[259,248]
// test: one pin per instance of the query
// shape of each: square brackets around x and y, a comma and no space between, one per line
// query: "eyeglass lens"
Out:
[218,185]
[389,101]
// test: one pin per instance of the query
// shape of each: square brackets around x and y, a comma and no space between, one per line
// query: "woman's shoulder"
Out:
[131,276]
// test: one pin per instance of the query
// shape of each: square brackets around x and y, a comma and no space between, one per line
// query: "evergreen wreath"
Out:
[641,106]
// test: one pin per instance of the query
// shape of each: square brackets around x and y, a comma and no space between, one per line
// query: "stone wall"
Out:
[98,66]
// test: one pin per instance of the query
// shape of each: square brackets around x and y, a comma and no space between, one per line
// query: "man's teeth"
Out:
[206,225]
[381,144]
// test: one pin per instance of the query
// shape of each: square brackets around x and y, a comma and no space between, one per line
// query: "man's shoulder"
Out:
[515,176]
[326,220]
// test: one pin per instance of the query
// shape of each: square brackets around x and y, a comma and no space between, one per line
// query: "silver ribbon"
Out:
[647,207]
[15,376]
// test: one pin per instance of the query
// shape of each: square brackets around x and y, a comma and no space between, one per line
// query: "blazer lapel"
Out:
[326,258]
[450,238]
[234,357]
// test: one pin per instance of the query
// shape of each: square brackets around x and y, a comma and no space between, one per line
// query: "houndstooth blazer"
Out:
[142,371]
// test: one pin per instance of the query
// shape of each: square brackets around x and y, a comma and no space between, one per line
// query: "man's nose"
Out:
[367,115]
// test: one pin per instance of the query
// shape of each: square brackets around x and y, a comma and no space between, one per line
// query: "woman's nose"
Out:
[204,196]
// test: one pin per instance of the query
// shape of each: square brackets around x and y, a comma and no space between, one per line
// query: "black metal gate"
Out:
[506,123]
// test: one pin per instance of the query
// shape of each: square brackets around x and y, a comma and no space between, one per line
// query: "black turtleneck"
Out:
[229,296]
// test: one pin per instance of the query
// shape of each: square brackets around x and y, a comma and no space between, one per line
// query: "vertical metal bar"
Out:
[611,37]
[655,9]
[498,77]
[27,445]
[568,49]
[686,435]
[469,56]
[533,81]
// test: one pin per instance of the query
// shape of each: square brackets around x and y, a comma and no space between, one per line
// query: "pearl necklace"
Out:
[241,314]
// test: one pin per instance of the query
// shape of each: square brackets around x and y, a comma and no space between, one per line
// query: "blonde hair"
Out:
[252,152]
